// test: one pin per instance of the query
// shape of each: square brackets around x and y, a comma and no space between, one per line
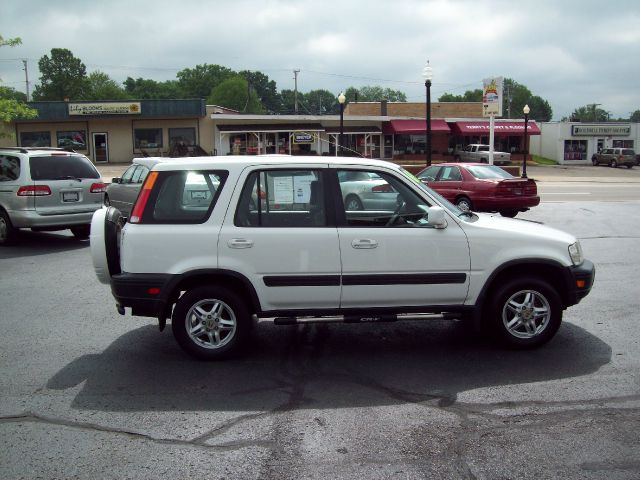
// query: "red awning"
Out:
[414,127]
[501,128]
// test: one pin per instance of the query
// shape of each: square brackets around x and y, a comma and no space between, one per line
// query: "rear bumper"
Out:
[31,219]
[506,203]
[146,294]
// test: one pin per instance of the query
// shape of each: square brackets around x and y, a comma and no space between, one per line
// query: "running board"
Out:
[367,318]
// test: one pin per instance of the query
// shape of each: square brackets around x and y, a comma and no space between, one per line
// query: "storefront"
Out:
[114,132]
[575,143]
[508,134]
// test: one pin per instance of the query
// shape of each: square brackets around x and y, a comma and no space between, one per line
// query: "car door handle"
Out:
[364,243]
[240,243]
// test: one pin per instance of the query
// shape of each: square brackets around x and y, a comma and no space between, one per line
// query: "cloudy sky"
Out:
[569,52]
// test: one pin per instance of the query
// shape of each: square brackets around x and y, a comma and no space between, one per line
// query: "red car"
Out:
[481,187]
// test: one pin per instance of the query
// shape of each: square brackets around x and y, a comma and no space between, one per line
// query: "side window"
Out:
[450,174]
[184,196]
[282,198]
[381,200]
[9,168]
[128,174]
[140,174]
[429,174]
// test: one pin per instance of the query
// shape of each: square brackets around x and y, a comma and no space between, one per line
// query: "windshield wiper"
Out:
[69,177]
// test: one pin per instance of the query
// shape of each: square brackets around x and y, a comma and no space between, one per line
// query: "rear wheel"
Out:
[8,233]
[525,312]
[614,164]
[509,213]
[464,204]
[629,166]
[81,232]
[210,322]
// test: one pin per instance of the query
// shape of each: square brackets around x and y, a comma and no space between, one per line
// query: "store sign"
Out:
[303,138]
[492,97]
[111,108]
[598,130]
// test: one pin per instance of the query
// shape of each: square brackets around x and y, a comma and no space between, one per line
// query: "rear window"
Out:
[9,168]
[184,196]
[488,171]
[54,167]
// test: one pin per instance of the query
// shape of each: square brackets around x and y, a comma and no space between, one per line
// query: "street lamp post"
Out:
[341,100]
[427,73]
[526,111]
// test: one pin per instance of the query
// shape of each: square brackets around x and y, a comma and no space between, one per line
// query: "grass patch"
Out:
[543,161]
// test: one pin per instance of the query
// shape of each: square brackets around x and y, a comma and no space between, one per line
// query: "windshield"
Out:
[488,171]
[439,198]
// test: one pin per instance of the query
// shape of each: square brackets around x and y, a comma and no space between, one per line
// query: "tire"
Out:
[81,232]
[8,233]
[509,213]
[629,166]
[594,161]
[613,164]
[512,313]
[106,201]
[210,322]
[464,204]
[456,158]
[353,203]
[105,250]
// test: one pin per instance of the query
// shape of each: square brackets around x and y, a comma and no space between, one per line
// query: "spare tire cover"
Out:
[104,240]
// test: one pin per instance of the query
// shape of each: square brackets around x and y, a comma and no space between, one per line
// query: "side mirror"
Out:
[116,180]
[436,217]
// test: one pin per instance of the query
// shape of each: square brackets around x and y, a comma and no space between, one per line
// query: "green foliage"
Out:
[9,42]
[635,116]
[265,89]
[146,89]
[102,87]
[8,93]
[589,113]
[374,94]
[321,102]
[468,96]
[198,82]
[62,75]
[234,93]
[543,161]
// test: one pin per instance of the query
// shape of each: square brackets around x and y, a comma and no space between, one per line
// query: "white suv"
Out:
[214,243]
[47,189]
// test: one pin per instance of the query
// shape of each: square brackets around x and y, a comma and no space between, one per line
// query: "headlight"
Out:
[575,252]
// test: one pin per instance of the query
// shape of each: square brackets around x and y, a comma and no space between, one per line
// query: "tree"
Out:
[287,101]
[143,89]
[468,96]
[321,102]
[635,116]
[61,76]
[198,82]
[235,93]
[12,104]
[265,89]
[589,113]
[374,94]
[540,109]
[102,87]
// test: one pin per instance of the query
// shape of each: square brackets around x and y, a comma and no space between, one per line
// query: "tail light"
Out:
[531,188]
[386,188]
[143,198]
[34,191]
[98,188]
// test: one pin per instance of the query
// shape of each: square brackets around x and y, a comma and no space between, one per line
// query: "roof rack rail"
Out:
[28,149]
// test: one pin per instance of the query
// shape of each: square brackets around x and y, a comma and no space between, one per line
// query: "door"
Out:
[279,238]
[391,257]
[448,183]
[100,148]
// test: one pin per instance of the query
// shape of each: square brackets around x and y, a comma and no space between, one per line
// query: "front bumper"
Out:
[582,278]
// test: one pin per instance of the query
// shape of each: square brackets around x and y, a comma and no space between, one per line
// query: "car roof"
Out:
[150,162]
[39,150]
[230,161]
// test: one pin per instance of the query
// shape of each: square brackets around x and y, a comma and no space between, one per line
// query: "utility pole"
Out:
[26,75]
[295,95]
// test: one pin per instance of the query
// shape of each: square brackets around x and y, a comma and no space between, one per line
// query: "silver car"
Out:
[366,191]
[47,189]
[123,191]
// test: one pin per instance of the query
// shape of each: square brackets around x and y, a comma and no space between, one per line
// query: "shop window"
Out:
[76,139]
[147,138]
[623,144]
[575,149]
[182,136]
[35,139]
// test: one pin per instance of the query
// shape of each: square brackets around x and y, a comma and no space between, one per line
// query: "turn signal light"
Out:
[581,283]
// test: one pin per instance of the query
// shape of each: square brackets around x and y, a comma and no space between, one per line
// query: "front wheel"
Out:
[464,204]
[509,213]
[353,203]
[595,162]
[525,313]
[614,164]
[8,233]
[210,322]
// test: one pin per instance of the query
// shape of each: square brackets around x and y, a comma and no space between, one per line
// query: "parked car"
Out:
[123,191]
[47,189]
[480,153]
[480,187]
[365,190]
[217,265]
[615,157]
